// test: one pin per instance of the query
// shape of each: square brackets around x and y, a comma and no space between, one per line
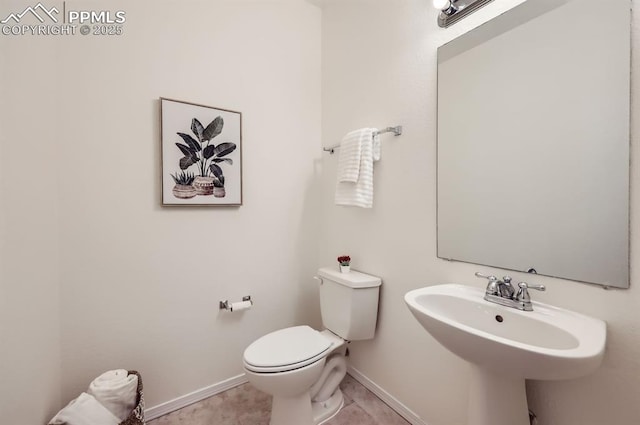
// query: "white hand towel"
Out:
[360,192]
[349,155]
[377,148]
[84,410]
[117,391]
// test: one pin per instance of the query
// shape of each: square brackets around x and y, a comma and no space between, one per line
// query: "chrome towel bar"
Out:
[397,131]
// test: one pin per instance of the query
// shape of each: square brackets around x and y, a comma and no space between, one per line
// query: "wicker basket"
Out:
[136,417]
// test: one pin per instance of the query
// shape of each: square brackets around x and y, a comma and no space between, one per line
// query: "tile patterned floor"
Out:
[244,405]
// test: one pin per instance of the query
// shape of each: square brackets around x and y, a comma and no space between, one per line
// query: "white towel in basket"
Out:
[117,391]
[84,410]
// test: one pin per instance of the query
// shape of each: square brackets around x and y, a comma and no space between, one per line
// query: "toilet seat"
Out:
[286,349]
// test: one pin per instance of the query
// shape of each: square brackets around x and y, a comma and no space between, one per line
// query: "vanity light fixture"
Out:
[451,11]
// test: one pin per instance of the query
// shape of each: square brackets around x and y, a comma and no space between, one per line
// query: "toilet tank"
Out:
[349,303]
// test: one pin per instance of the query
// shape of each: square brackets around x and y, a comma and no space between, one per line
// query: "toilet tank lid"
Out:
[353,279]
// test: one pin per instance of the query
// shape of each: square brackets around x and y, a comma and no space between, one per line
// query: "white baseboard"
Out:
[193,397]
[211,390]
[390,400]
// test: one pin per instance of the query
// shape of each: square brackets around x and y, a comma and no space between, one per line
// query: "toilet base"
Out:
[300,410]
[292,410]
[325,410]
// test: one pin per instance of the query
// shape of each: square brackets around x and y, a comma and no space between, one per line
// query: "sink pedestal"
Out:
[505,346]
[496,399]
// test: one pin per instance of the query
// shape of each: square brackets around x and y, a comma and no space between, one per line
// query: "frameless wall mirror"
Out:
[533,141]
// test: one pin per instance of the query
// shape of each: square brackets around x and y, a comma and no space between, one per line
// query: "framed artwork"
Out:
[201,154]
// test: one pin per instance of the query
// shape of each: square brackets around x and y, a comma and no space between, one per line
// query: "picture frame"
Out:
[201,158]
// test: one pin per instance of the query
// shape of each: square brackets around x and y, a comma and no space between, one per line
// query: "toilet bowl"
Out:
[289,364]
[301,367]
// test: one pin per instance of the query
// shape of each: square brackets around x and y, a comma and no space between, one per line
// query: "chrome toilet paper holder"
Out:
[226,305]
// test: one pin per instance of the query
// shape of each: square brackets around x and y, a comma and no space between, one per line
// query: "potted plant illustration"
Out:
[218,181]
[345,262]
[183,188]
[202,153]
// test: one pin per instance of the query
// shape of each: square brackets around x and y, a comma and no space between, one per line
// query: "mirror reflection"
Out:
[533,141]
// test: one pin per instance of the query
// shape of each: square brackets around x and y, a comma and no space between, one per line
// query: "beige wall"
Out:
[379,69]
[140,284]
[29,213]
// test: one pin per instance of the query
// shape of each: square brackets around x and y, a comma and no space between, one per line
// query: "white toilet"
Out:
[301,367]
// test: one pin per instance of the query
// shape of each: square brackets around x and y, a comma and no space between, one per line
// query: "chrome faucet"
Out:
[502,292]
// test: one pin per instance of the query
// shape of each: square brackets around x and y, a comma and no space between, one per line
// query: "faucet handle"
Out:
[492,286]
[535,286]
[484,276]
[523,293]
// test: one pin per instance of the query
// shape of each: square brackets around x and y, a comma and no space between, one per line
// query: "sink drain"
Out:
[499,318]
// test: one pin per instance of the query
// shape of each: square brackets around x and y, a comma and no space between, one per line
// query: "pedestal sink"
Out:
[505,346]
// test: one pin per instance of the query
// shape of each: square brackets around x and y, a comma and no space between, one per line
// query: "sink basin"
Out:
[505,346]
[547,343]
